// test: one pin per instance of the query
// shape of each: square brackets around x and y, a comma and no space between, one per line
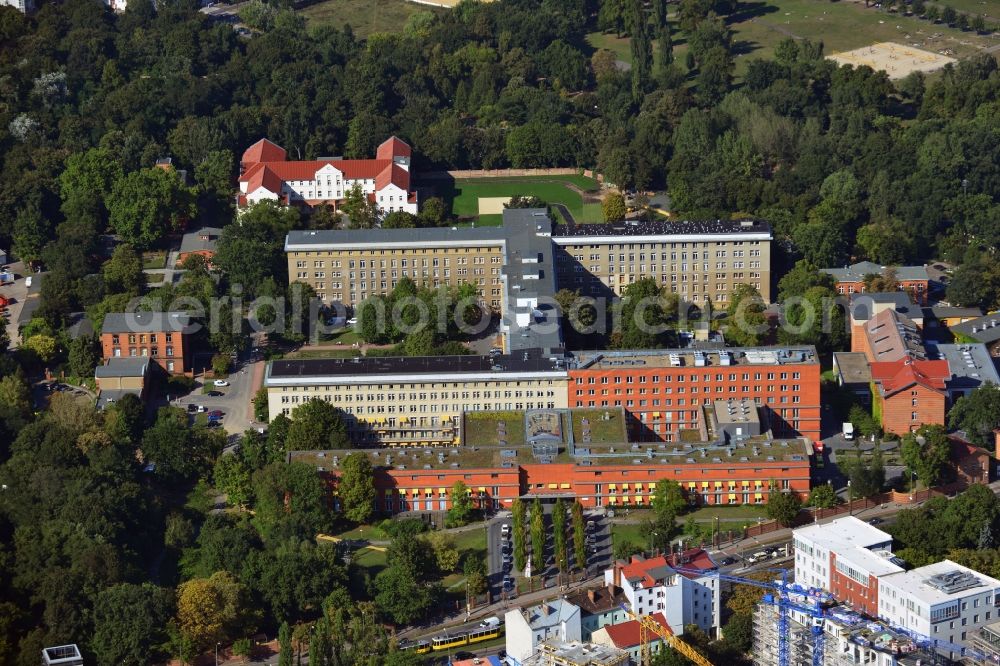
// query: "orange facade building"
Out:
[716,480]
[665,392]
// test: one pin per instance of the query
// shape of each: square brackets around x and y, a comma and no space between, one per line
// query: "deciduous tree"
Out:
[356,488]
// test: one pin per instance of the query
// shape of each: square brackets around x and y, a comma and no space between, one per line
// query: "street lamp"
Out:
[217,653]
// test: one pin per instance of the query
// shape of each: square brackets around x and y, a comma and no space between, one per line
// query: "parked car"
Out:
[192,408]
[352,321]
[217,413]
[220,382]
[202,409]
[215,394]
[875,521]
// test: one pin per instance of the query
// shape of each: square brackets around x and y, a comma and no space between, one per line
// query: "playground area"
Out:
[896,60]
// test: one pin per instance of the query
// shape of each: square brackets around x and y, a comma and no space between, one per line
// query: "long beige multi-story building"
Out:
[413,400]
[350,265]
[698,260]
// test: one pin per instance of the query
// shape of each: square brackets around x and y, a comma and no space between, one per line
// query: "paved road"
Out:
[568,216]
[236,402]
[18,291]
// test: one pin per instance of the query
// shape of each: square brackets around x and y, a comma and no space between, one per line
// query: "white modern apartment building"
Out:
[845,557]
[267,174]
[526,628]
[656,586]
[944,601]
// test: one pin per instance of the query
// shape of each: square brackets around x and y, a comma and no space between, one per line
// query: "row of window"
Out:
[141,338]
[653,379]
[143,351]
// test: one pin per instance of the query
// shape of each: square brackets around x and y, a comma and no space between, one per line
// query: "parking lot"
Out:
[501,551]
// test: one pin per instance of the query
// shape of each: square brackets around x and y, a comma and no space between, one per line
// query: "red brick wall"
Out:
[917,288]
[650,421]
[157,350]
[863,597]
[898,410]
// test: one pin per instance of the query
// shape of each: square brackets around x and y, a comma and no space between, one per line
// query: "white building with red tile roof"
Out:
[657,585]
[267,175]
[627,636]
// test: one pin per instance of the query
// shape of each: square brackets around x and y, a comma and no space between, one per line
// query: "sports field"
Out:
[465,194]
[842,26]
[365,16]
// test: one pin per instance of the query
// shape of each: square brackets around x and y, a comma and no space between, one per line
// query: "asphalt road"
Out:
[235,401]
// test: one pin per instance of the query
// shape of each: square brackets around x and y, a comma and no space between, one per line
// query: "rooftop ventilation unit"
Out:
[951,582]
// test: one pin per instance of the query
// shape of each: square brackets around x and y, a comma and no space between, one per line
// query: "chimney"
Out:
[618,570]
[592,595]
[996,442]
[546,609]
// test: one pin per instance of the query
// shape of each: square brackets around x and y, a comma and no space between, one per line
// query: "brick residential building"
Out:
[910,393]
[161,336]
[268,174]
[851,279]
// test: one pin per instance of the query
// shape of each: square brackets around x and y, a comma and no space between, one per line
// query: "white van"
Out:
[490,623]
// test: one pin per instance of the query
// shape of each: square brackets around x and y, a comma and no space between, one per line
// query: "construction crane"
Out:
[786,597]
[649,626]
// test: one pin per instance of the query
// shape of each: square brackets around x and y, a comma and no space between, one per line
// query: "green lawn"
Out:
[480,428]
[628,532]
[365,16]
[471,541]
[465,193]
[738,513]
[611,431]
[364,532]
[154,259]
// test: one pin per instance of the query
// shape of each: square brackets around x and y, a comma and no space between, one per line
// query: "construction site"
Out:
[577,654]
[839,638]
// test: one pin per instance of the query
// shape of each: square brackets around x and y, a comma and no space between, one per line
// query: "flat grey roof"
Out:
[664,228]
[201,240]
[306,240]
[857,272]
[970,364]
[107,397]
[529,277]
[861,304]
[409,365]
[693,358]
[853,367]
[145,322]
[123,367]
[985,329]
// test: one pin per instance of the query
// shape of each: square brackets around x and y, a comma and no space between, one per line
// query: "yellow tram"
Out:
[475,635]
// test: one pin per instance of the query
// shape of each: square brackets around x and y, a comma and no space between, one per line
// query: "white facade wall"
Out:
[330,184]
[522,639]
[955,620]
[519,637]
[684,602]
[812,563]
